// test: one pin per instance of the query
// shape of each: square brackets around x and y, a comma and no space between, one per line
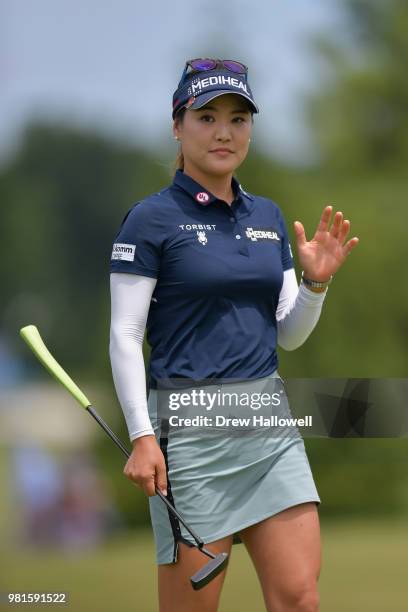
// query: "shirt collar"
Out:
[203,196]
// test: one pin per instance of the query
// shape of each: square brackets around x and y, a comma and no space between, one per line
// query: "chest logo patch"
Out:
[202,197]
[262,234]
[202,238]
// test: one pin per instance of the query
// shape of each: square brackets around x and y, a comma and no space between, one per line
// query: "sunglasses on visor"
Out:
[201,64]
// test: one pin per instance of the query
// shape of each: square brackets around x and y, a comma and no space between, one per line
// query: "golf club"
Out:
[32,337]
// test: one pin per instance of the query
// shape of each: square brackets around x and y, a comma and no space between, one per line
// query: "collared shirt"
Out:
[219,271]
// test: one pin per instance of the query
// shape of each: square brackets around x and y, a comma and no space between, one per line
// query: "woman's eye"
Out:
[236,119]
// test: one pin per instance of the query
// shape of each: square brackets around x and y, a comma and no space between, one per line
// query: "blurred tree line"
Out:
[360,118]
[64,194]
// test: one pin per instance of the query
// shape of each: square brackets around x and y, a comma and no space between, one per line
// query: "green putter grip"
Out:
[32,337]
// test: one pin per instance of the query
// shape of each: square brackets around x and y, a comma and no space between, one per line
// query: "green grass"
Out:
[364,568]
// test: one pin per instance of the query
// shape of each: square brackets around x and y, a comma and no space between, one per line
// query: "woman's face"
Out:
[226,122]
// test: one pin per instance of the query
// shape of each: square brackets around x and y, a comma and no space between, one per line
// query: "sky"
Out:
[113,65]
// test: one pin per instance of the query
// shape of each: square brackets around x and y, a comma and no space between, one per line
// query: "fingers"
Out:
[324,219]
[349,246]
[337,224]
[145,481]
[161,477]
[345,228]
[300,233]
[339,229]
[147,470]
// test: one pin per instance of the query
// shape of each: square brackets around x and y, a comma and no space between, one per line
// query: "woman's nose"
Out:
[223,131]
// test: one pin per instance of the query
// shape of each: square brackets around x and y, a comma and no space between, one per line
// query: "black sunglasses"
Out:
[201,64]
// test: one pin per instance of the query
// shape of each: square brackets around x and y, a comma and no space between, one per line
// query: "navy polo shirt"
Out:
[219,271]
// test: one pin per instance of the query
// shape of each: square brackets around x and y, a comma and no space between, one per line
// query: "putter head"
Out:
[209,571]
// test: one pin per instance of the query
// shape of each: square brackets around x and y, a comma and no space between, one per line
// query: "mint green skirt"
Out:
[222,484]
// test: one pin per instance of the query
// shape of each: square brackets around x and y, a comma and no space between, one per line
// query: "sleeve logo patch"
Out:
[124,252]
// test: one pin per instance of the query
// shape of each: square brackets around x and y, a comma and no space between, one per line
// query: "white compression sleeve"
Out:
[298,311]
[130,301]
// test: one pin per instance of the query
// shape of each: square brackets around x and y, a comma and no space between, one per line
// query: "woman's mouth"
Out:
[222,152]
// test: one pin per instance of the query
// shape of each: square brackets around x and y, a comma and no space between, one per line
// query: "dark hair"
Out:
[178,163]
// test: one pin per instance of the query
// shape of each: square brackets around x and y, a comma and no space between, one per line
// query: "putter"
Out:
[32,337]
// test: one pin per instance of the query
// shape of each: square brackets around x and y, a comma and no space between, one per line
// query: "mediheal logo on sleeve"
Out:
[124,252]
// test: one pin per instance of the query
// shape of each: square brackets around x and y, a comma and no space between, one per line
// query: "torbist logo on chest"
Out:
[193,227]
[200,229]
[202,238]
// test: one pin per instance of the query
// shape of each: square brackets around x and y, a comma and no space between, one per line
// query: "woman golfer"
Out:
[208,268]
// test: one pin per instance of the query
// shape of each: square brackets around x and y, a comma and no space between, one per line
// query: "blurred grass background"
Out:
[63,193]
[364,569]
